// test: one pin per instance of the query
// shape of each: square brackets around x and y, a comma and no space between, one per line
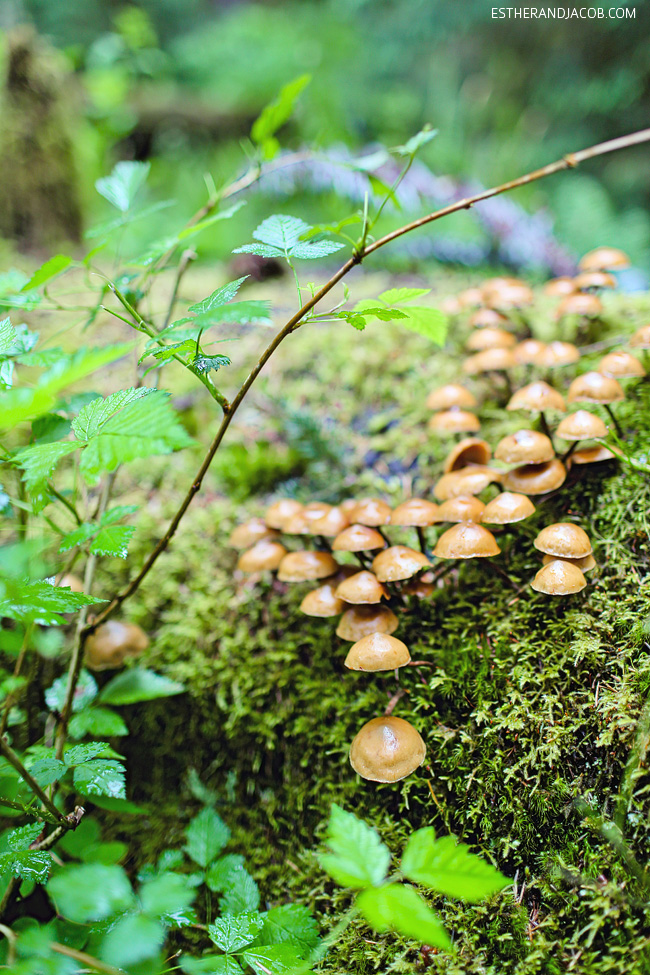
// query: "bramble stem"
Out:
[8,753]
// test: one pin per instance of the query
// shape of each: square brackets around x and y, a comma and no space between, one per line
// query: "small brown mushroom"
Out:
[581,425]
[415,513]
[323,602]
[589,306]
[487,318]
[489,360]
[469,480]
[470,298]
[593,387]
[559,287]
[280,512]
[559,578]
[378,651]
[525,447]
[594,279]
[621,365]
[536,398]
[604,259]
[330,524]
[264,555]
[585,564]
[564,540]
[590,455]
[398,562]
[535,478]
[525,352]
[250,532]
[507,508]
[371,512]
[112,642]
[454,421]
[305,565]
[468,452]
[449,396]
[451,306]
[464,507]
[358,538]
[387,749]
[557,354]
[359,621]
[361,588]
[507,293]
[490,338]
[466,541]
[641,338]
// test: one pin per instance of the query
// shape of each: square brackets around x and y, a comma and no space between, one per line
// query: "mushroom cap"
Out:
[301,523]
[507,508]
[250,532]
[454,421]
[558,287]
[470,298]
[525,352]
[70,581]
[466,541]
[377,651]
[265,554]
[330,524]
[487,318]
[641,338]
[621,365]
[469,480]
[360,621]
[112,642]
[535,478]
[604,259]
[594,279]
[358,538]
[464,507]
[537,397]
[348,506]
[279,513]
[490,338]
[559,578]
[387,749]
[361,588]
[507,293]
[557,354]
[446,397]
[490,360]
[323,602]
[398,562]
[525,447]
[301,566]
[593,387]
[370,512]
[468,452]
[415,513]
[591,455]
[579,304]
[564,540]
[451,305]
[419,587]
[581,425]
[585,564]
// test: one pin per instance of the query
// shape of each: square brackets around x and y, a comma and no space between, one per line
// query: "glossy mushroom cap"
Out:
[593,387]
[378,651]
[487,318]
[250,532]
[558,287]
[386,750]
[360,621]
[466,541]
[323,602]
[559,578]
[415,513]
[361,588]
[525,447]
[585,564]
[581,425]
[370,512]
[590,455]
[507,508]
[525,352]
[70,581]
[112,642]
[358,538]
[537,397]
[621,365]
[641,338]
[604,259]
[594,279]
[490,338]
[454,421]
[464,507]
[509,294]
[466,453]
[469,480]
[330,524]
[535,478]
[264,555]
[470,298]
[449,396]
[579,304]
[557,354]
[398,562]
[301,566]
[564,540]
[490,360]
[451,305]
[280,512]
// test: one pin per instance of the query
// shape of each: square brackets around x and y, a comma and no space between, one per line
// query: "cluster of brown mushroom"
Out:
[567,556]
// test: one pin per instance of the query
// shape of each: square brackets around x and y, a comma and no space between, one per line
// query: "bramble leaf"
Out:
[273,959]
[47,770]
[204,363]
[207,834]
[398,907]
[7,336]
[113,540]
[358,858]
[121,186]
[103,777]
[233,933]
[275,114]
[29,864]
[22,838]
[220,875]
[241,895]
[450,867]
[90,892]
[39,460]
[291,923]
[218,298]
[85,693]
[132,939]
[97,721]
[56,265]
[210,965]
[137,684]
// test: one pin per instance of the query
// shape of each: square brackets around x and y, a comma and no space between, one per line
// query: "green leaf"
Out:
[207,834]
[47,770]
[167,894]
[22,838]
[132,939]
[218,298]
[137,684]
[274,959]
[233,933]
[102,777]
[450,867]
[397,296]
[241,895]
[416,141]
[281,231]
[428,322]
[113,540]
[78,536]
[378,311]
[121,187]
[276,113]
[92,417]
[41,602]
[309,250]
[29,864]
[210,965]
[397,907]
[56,265]
[8,336]
[97,721]
[119,511]
[204,363]
[168,353]
[79,754]
[358,857]
[39,460]
[220,875]
[90,892]
[262,250]
[291,923]
[85,693]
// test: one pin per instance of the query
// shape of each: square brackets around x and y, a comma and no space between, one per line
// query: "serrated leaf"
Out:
[121,186]
[119,511]
[138,684]
[168,353]
[90,892]
[416,141]
[262,250]
[47,770]
[397,907]
[379,311]
[220,297]
[450,867]
[102,777]
[234,933]
[86,692]
[354,319]
[205,363]
[274,959]
[429,322]
[358,858]
[291,923]
[22,838]
[7,336]
[113,540]
[242,895]
[79,754]
[97,721]
[309,250]
[94,415]
[235,313]
[276,113]
[31,865]
[132,939]
[78,536]
[38,461]
[42,601]
[281,231]
[210,965]
[56,265]
[207,834]
[397,296]
[220,875]
[169,893]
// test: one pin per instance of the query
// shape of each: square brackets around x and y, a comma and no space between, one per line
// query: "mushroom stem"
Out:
[564,458]
[390,707]
[422,540]
[617,425]
[504,575]
[324,544]
[544,426]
